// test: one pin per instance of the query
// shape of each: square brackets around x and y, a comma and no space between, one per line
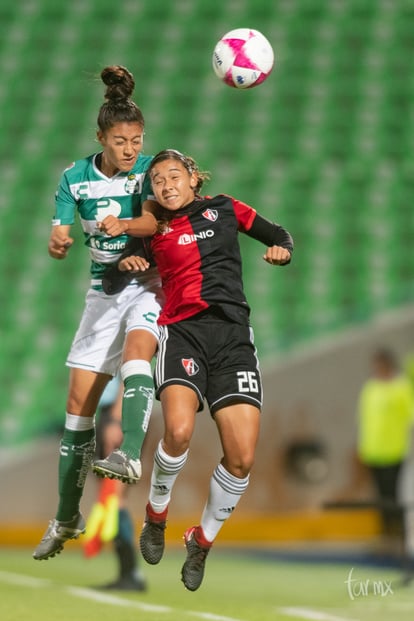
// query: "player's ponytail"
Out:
[118,107]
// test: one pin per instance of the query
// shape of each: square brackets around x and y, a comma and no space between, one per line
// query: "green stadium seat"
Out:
[325,147]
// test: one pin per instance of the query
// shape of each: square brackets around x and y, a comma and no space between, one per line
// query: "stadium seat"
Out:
[324,147]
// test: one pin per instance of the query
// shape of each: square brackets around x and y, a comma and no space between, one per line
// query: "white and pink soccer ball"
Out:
[243,58]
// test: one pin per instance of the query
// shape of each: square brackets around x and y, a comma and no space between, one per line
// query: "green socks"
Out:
[136,405]
[76,453]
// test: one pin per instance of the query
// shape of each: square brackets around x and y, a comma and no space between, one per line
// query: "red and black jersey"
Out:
[198,257]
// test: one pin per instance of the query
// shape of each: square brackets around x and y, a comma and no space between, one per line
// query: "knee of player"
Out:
[177,440]
[240,465]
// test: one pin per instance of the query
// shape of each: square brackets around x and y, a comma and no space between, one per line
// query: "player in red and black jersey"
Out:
[206,346]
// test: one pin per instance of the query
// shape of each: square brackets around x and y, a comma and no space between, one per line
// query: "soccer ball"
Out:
[243,58]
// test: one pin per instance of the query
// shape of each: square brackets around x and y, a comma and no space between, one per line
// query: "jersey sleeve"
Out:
[65,203]
[258,227]
[270,233]
[245,214]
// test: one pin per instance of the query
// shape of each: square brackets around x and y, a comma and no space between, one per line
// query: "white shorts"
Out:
[99,340]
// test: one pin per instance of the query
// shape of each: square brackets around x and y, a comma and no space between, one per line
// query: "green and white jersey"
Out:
[85,189]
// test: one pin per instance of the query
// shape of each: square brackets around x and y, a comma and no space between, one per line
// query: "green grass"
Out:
[237,587]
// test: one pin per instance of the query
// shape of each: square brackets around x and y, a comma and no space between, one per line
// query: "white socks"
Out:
[79,423]
[225,492]
[164,473]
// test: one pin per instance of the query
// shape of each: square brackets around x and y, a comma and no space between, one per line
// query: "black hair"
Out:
[118,107]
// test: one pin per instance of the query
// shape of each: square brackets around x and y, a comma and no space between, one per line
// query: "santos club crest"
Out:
[190,366]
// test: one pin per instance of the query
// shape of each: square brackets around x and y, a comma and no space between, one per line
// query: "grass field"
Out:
[238,586]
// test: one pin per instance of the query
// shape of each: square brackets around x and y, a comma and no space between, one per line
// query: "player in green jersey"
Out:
[115,331]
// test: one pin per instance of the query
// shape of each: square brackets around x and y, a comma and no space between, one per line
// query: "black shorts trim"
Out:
[234,399]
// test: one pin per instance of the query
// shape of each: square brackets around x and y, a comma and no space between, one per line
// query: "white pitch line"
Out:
[210,616]
[119,601]
[10,578]
[105,598]
[312,615]
[115,600]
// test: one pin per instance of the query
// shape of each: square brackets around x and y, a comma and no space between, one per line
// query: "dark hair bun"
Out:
[119,81]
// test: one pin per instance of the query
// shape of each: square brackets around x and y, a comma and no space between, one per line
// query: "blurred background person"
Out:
[385,417]
[110,519]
